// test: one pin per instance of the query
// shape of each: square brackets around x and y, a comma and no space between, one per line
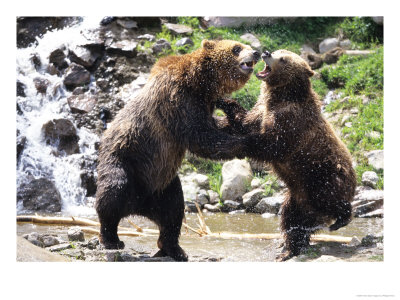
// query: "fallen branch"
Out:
[204,229]
[122,232]
[358,52]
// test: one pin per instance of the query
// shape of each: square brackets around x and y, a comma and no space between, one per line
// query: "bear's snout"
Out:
[266,54]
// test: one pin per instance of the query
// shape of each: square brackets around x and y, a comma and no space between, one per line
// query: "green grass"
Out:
[356,74]
[363,32]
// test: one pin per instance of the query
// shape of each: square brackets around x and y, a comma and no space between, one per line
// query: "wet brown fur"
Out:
[287,129]
[144,146]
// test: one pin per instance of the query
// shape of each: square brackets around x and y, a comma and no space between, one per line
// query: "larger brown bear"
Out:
[144,146]
[287,129]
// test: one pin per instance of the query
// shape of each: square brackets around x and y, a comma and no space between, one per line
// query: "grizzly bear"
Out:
[145,144]
[286,128]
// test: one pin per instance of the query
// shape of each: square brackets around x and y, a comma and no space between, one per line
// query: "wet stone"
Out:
[62,134]
[81,103]
[39,195]
[57,57]
[76,234]
[41,84]
[83,56]
[76,75]
[21,89]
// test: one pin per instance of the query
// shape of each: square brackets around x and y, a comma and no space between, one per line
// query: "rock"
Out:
[230,205]
[345,44]
[93,243]
[127,23]
[375,159]
[34,238]
[367,201]
[160,46]
[355,241]
[88,182]
[28,252]
[255,183]
[21,142]
[147,37]
[202,198]
[83,56]
[190,207]
[28,28]
[373,134]
[251,199]
[236,177]
[269,204]
[81,103]
[49,240]
[62,134]
[371,240]
[201,180]
[314,60]
[57,58]
[370,178]
[213,196]
[243,21]
[328,44]
[76,234]
[127,48]
[76,75]
[250,38]
[179,29]
[267,215]
[37,63]
[213,207]
[41,85]
[332,56]
[21,89]
[378,20]
[307,48]
[60,247]
[39,195]
[183,42]
[107,20]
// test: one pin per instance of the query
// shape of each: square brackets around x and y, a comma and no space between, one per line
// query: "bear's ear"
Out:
[310,72]
[208,45]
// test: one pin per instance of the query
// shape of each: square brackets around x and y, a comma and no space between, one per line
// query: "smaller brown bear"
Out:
[287,129]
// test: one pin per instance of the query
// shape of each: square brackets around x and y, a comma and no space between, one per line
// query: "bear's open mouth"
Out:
[264,73]
[247,65]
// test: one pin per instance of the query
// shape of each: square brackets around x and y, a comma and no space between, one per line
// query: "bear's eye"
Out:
[282,60]
[236,50]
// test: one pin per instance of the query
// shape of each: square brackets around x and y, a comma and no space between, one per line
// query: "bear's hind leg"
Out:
[111,207]
[168,215]
[297,226]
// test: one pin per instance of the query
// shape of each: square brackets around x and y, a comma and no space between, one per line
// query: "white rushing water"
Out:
[37,159]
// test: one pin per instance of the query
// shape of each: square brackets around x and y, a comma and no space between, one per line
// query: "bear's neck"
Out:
[301,93]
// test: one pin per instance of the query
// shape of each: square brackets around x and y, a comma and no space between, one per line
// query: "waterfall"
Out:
[38,159]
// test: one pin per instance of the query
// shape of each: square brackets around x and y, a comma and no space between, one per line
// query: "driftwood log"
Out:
[203,231]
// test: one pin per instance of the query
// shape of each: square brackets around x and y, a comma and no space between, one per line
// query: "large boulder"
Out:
[61,133]
[179,29]
[39,195]
[236,178]
[328,44]
[83,56]
[370,178]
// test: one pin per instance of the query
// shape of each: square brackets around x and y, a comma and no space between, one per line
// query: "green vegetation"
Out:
[355,77]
